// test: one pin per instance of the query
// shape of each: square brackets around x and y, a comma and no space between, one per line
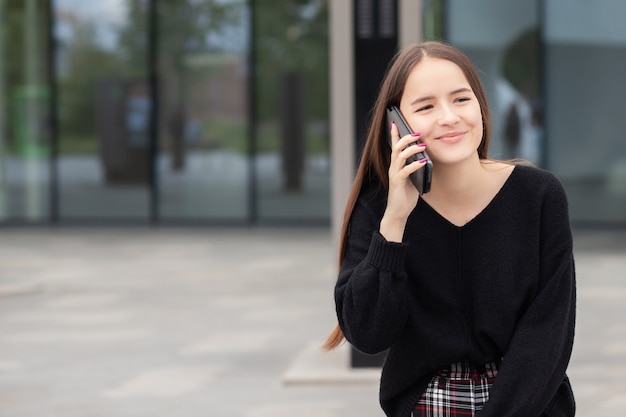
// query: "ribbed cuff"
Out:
[387,256]
[563,403]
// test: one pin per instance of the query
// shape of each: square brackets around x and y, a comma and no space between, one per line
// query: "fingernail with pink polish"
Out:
[423,160]
[416,134]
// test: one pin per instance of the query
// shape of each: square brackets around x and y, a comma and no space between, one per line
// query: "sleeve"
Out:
[534,365]
[370,294]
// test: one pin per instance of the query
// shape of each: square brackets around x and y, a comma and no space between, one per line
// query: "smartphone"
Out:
[422,177]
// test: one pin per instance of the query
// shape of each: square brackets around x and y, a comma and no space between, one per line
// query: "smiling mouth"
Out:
[451,137]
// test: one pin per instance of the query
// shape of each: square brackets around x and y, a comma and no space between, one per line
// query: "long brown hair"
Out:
[374,163]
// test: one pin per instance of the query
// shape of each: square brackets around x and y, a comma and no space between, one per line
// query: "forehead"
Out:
[434,74]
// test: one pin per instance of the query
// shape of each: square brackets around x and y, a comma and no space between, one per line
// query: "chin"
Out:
[451,158]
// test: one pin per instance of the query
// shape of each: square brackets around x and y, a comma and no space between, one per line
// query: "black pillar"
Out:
[375,43]
[292,129]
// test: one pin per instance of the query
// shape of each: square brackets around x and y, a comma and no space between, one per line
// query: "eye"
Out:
[462,99]
[423,108]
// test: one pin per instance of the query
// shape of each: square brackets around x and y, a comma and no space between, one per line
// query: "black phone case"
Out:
[422,177]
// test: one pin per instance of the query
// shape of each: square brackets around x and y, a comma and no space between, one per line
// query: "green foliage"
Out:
[88,63]
[520,64]
[71,144]
[225,135]
[291,36]
[16,77]
[233,137]
[434,20]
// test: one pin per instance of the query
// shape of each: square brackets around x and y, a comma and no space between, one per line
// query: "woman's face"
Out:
[439,103]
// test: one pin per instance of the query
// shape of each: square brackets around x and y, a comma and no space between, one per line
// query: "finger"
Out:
[404,150]
[414,167]
[412,150]
[402,174]
[407,140]
[407,161]
[395,135]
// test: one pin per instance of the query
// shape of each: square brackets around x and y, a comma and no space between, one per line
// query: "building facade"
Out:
[247,112]
[164,112]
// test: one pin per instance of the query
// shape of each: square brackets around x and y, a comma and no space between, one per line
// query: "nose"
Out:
[448,116]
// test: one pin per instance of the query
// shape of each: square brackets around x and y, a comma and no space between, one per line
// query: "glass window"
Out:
[24,111]
[103,108]
[241,129]
[291,111]
[203,107]
[586,63]
[501,37]
[554,89]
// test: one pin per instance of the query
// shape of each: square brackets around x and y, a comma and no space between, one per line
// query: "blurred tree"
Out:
[185,28]
[14,19]
[291,36]
[185,25]
[434,19]
[291,51]
[87,62]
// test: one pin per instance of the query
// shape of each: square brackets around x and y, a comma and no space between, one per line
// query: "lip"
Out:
[451,137]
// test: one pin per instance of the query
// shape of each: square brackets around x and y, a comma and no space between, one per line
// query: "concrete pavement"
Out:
[225,323]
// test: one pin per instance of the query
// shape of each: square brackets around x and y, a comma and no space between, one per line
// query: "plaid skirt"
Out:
[460,390]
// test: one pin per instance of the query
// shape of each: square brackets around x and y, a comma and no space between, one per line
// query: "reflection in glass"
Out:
[103,101]
[565,114]
[291,90]
[585,115]
[220,158]
[203,157]
[501,38]
[24,111]
[521,125]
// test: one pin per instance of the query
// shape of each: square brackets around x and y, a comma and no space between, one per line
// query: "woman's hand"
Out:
[403,195]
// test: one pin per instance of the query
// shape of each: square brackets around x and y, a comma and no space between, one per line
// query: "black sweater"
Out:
[500,287]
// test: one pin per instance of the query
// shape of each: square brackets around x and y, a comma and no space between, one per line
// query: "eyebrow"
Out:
[457,91]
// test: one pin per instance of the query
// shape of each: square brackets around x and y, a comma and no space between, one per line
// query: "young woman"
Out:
[471,286]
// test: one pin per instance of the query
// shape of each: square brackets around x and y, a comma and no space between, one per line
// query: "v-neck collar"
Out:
[491,203]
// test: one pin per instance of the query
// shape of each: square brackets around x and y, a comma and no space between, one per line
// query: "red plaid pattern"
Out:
[461,390]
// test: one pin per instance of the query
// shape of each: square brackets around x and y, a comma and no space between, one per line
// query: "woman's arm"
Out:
[371,290]
[370,294]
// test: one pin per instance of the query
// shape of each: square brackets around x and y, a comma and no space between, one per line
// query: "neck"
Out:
[458,181]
